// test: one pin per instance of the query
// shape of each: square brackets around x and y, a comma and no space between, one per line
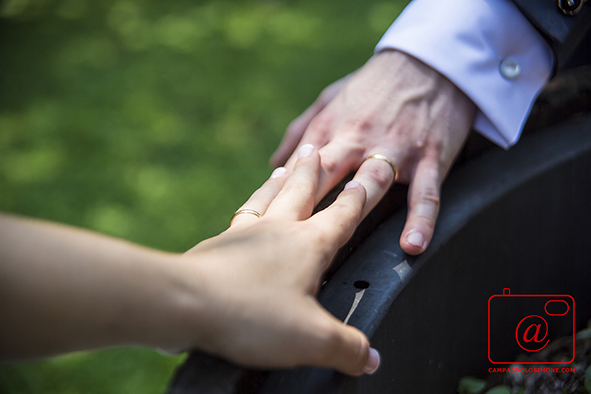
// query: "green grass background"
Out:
[153,121]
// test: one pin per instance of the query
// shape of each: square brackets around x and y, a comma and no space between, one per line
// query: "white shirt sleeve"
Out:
[487,48]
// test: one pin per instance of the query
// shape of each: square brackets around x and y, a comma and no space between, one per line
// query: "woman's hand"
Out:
[253,287]
[247,295]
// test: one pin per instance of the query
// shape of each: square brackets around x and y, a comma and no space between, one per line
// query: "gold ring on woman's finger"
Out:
[245,210]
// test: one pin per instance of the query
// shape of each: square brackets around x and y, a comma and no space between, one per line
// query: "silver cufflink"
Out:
[510,69]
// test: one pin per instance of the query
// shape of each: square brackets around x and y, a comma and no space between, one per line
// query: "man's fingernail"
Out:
[279,171]
[305,150]
[373,362]
[416,239]
[352,184]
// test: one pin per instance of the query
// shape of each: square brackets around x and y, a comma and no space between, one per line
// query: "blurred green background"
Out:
[153,121]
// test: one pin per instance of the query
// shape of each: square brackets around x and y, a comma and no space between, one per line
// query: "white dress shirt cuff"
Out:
[487,49]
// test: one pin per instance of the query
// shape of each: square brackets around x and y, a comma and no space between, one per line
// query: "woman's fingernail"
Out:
[277,172]
[352,184]
[373,362]
[305,150]
[416,239]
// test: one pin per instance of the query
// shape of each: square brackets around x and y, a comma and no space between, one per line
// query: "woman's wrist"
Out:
[165,302]
[182,315]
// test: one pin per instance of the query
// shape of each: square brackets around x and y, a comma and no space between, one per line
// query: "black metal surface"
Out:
[518,219]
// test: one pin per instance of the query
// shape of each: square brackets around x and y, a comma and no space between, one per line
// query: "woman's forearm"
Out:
[247,294]
[64,289]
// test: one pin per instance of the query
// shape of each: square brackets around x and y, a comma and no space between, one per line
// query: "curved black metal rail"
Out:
[518,219]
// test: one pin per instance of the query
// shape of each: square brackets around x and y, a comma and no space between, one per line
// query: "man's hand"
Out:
[395,106]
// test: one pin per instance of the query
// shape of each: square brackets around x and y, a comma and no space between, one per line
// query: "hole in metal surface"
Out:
[361,284]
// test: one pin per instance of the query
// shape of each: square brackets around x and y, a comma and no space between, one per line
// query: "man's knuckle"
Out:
[330,164]
[427,206]
[430,196]
[364,125]
[321,124]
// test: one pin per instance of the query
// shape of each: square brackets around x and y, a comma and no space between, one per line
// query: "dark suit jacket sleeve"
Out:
[562,32]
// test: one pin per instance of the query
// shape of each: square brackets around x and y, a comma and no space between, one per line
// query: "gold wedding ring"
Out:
[384,158]
[245,210]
